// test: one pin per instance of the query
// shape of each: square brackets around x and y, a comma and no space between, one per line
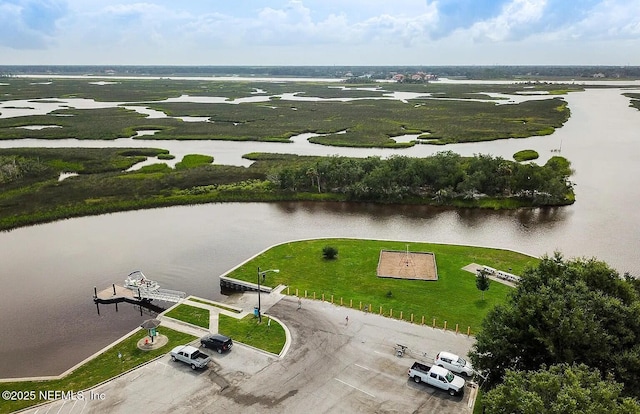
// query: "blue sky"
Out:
[320,32]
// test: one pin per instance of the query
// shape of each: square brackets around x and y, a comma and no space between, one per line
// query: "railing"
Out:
[166,295]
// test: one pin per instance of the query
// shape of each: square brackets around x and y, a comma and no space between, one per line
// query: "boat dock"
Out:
[137,289]
[117,293]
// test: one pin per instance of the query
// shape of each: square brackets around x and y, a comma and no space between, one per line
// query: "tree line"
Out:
[442,177]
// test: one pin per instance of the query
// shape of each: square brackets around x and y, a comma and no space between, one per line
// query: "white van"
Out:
[454,363]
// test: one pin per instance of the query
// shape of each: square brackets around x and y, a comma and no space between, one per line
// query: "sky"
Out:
[320,32]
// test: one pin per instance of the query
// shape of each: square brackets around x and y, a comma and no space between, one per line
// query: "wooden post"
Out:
[445,325]
[351,303]
[360,305]
[400,314]
[314,295]
[297,293]
[331,298]
[305,293]
[422,320]
[380,310]
[412,317]
[323,297]
[457,328]
[391,313]
[434,322]
[340,301]
[288,291]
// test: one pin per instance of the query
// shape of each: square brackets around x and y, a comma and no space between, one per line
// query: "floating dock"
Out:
[137,289]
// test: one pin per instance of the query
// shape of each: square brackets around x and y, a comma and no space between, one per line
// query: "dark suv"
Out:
[218,342]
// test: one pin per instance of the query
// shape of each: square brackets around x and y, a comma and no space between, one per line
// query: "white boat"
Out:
[137,280]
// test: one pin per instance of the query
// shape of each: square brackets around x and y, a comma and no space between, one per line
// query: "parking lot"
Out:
[333,364]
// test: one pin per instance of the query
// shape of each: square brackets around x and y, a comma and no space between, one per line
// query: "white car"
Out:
[454,363]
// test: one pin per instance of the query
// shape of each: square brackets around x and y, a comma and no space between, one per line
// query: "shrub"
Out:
[329,252]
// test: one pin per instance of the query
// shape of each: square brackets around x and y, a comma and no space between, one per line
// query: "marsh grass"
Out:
[367,122]
[526,155]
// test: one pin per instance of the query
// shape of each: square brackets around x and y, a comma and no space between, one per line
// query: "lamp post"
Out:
[261,274]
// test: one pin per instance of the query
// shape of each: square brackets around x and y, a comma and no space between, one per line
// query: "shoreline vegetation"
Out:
[32,192]
[344,115]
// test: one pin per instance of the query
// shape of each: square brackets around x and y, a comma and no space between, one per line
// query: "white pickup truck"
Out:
[438,377]
[190,355]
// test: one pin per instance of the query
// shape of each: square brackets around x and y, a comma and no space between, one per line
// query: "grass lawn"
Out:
[265,335]
[103,367]
[190,314]
[352,276]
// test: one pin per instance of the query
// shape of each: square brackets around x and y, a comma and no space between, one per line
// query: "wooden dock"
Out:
[115,294]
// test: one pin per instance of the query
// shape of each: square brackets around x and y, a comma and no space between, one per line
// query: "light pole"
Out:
[262,273]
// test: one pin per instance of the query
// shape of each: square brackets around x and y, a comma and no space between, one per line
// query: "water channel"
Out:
[49,271]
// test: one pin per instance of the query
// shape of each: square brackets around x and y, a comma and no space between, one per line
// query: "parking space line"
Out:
[355,388]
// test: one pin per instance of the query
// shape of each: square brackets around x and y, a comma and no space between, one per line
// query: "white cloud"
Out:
[319,31]
[515,19]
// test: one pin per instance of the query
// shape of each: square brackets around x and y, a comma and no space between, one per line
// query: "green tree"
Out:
[577,311]
[482,281]
[561,389]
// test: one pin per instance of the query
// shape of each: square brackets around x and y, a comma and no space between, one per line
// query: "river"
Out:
[49,271]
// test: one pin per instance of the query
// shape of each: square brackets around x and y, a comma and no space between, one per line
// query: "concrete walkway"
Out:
[243,304]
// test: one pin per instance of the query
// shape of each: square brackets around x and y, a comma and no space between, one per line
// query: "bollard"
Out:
[412,317]
[288,290]
[445,325]
[434,322]
[95,292]
[351,303]
[360,305]
[422,320]
[114,289]
[297,293]
[380,310]
[323,297]
[468,331]
[400,314]
[340,301]
[456,328]
[314,295]
[305,293]
[331,298]
[391,313]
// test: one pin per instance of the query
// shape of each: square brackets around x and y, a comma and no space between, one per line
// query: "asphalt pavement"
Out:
[337,360]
